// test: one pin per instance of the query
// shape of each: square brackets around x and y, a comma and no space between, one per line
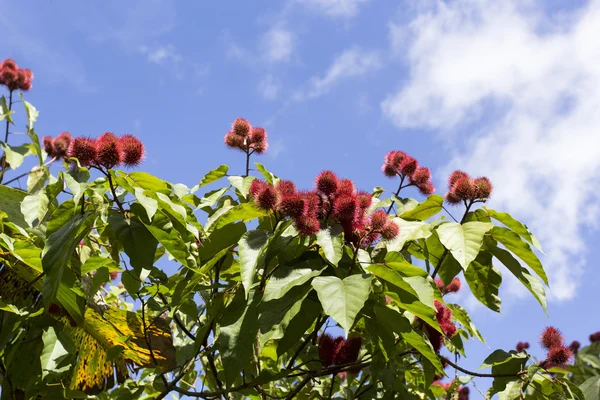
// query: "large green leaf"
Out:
[287,277]
[54,353]
[514,243]
[591,388]
[269,177]
[461,315]
[409,230]
[139,244]
[10,203]
[237,334]
[250,247]
[148,182]
[299,324]
[503,363]
[514,225]
[59,248]
[15,155]
[213,175]
[330,240]
[463,241]
[241,183]
[343,299]
[34,207]
[397,262]
[242,212]
[522,274]
[484,280]
[400,324]
[426,209]
[219,239]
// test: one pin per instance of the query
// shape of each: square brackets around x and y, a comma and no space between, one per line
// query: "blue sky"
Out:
[504,89]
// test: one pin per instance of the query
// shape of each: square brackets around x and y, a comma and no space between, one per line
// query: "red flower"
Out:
[326,183]
[241,127]
[133,150]
[551,337]
[61,144]
[83,149]
[390,230]
[110,153]
[378,220]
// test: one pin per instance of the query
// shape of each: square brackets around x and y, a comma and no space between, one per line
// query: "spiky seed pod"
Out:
[344,208]
[453,286]
[559,355]
[574,346]
[346,188]
[452,198]
[595,337]
[463,189]
[326,350]
[390,230]
[435,338]
[23,81]
[378,220]
[133,150]
[313,203]
[241,127]
[551,337]
[455,176]
[285,188]
[110,153]
[48,144]
[364,200]
[9,63]
[260,148]
[326,183]
[308,225]
[426,188]
[408,166]
[349,351]
[234,141]
[256,187]
[83,149]
[463,393]
[9,78]
[292,205]
[440,284]
[483,188]
[422,175]
[62,143]
[449,328]
[266,199]
[389,170]
[257,135]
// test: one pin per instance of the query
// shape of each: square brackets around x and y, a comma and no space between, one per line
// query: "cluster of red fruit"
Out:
[245,137]
[398,163]
[107,151]
[338,351]
[557,354]
[595,337]
[522,346]
[14,77]
[452,287]
[332,197]
[463,392]
[462,188]
[443,316]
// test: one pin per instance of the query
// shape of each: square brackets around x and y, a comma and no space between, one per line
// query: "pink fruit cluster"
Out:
[522,346]
[106,151]
[59,146]
[332,198]
[557,354]
[453,287]
[245,137]
[14,77]
[443,316]
[398,163]
[338,351]
[462,188]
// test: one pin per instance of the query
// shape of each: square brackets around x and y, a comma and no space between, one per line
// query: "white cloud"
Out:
[351,63]
[334,8]
[276,45]
[161,54]
[534,94]
[269,87]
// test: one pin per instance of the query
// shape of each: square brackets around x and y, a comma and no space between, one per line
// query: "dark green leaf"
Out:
[139,244]
[513,242]
[213,175]
[288,277]
[428,208]
[484,280]
[514,225]
[461,315]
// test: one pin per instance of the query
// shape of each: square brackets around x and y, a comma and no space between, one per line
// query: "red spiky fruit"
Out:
[463,188]
[61,144]
[308,225]
[595,337]
[285,188]
[453,286]
[422,175]
[574,346]
[348,351]
[559,355]
[440,284]
[326,350]
[344,208]
[378,220]
[266,199]
[23,80]
[326,183]
[389,170]
[551,337]
[364,200]
[110,153]
[483,188]
[9,63]
[426,188]
[408,166]
[390,230]
[241,127]
[455,176]
[256,187]
[133,150]
[83,149]
[521,346]
[234,141]
[436,338]
[452,198]
[346,188]
[292,205]
[258,140]
[48,144]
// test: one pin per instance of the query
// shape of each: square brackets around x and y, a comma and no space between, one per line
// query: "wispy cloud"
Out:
[334,8]
[534,98]
[276,45]
[352,63]
[269,87]
[161,54]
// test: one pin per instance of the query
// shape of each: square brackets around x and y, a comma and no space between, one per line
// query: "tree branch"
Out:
[477,374]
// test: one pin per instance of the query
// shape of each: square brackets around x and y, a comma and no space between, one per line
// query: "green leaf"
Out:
[15,155]
[10,203]
[30,110]
[426,209]
[409,230]
[591,388]
[149,204]
[299,324]
[484,281]
[343,299]
[269,177]
[213,175]
[400,324]
[53,354]
[398,263]
[37,178]
[463,241]
[4,111]
[219,239]
[287,277]
[139,244]
[242,184]
[242,212]
[504,363]
[148,182]
[211,198]
[59,248]
[461,315]
[522,274]
[513,242]
[35,207]
[237,334]
[330,240]
[514,225]
[250,247]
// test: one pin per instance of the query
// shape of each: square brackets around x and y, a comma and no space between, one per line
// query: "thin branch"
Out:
[395,194]
[30,172]
[480,375]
